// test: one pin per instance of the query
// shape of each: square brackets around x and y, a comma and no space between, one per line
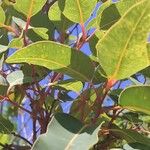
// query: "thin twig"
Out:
[21,137]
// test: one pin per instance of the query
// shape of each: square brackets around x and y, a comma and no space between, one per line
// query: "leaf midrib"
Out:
[80,11]
[128,40]
[50,61]
[127,43]
[74,138]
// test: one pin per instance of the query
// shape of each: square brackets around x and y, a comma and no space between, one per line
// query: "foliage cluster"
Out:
[43,60]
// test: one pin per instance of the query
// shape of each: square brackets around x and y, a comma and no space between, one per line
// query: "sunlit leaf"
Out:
[136,98]
[70,85]
[56,57]
[77,10]
[125,43]
[29,6]
[2,16]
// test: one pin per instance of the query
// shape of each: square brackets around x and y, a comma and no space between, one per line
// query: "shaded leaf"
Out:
[76,135]
[59,20]
[3,81]
[131,136]
[17,78]
[6,126]
[37,34]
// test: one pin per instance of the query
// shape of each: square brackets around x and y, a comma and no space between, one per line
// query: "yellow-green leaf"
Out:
[77,10]
[136,98]
[29,6]
[57,57]
[123,49]
[2,16]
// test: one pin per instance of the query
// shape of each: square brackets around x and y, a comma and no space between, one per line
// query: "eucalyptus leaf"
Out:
[77,10]
[57,57]
[131,136]
[17,78]
[2,16]
[124,44]
[29,6]
[136,98]
[72,134]
[70,85]
[57,17]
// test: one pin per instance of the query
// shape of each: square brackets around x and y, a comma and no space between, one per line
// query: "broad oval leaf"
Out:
[77,10]
[29,7]
[124,44]
[72,135]
[57,57]
[136,98]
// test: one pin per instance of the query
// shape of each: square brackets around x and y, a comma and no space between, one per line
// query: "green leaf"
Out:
[16,43]
[57,17]
[4,138]
[24,6]
[43,22]
[139,146]
[110,13]
[40,72]
[131,136]
[136,98]
[57,57]
[72,135]
[70,85]
[6,126]
[124,44]
[77,10]
[17,95]
[2,16]
[37,34]
[17,78]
